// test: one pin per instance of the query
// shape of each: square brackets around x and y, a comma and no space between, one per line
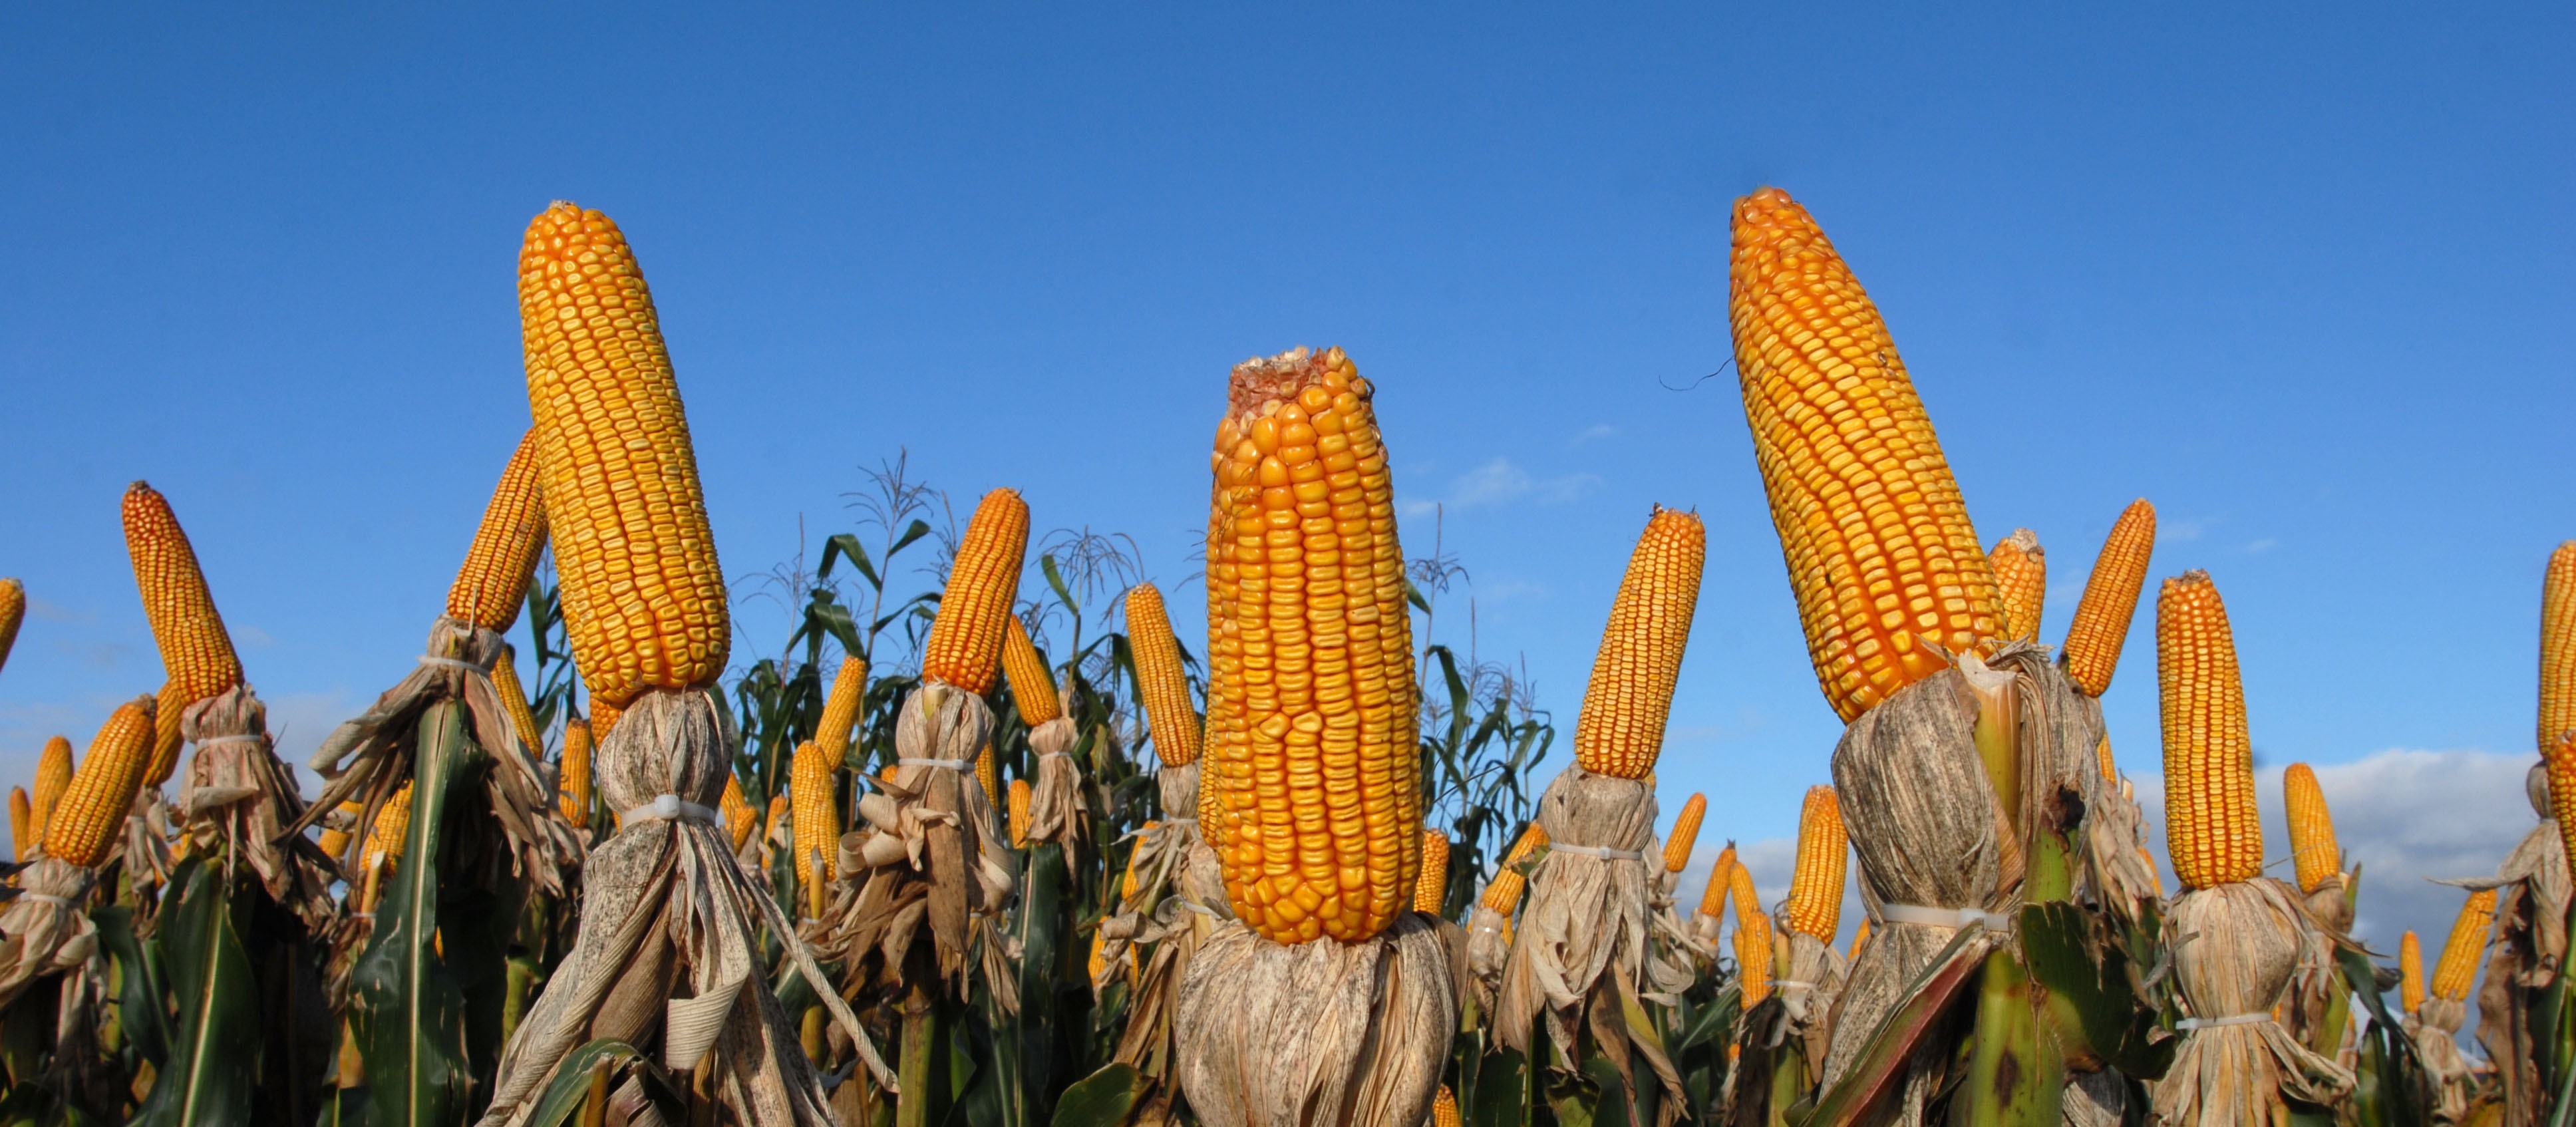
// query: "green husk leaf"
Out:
[212,1067]
[1101,1099]
[140,1020]
[406,1007]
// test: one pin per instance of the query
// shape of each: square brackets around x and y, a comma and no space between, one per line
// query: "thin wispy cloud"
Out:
[1501,483]
[1591,433]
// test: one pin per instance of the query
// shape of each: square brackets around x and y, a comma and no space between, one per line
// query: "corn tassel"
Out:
[1032,686]
[983,583]
[13,611]
[2021,583]
[2410,973]
[575,786]
[2313,850]
[91,815]
[2460,955]
[2211,826]
[2101,623]
[1503,896]
[493,584]
[1721,879]
[196,653]
[53,777]
[1432,891]
[1160,676]
[1620,731]
[1677,849]
[2558,646]
[1815,905]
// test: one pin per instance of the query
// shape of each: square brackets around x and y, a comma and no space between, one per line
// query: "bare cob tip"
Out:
[1262,379]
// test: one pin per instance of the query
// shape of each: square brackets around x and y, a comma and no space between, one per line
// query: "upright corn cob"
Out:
[2211,825]
[1621,728]
[2468,943]
[2558,646]
[741,819]
[2021,583]
[1444,1108]
[13,610]
[1432,890]
[23,834]
[1504,894]
[1877,539]
[1721,877]
[817,821]
[575,785]
[514,700]
[91,816]
[1677,849]
[1032,686]
[841,709]
[778,809]
[1316,773]
[2312,837]
[644,597]
[1739,888]
[1161,679]
[2101,623]
[1753,957]
[53,777]
[2410,973]
[2102,752]
[1815,905]
[1019,811]
[988,774]
[1860,935]
[196,654]
[392,832]
[983,582]
[494,581]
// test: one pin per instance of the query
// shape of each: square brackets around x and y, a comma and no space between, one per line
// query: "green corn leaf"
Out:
[213,1062]
[407,1008]
[2015,1069]
[1880,1067]
[140,1020]
[570,1085]
[1101,1099]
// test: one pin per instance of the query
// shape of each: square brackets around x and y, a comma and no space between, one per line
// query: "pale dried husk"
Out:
[236,796]
[1324,1032]
[2435,1029]
[145,850]
[665,905]
[1676,956]
[1056,813]
[368,758]
[1178,903]
[2531,947]
[45,929]
[1811,984]
[2117,871]
[2319,979]
[2235,948]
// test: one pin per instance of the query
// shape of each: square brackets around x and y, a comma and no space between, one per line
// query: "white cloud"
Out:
[1498,483]
[1590,433]
[2263,545]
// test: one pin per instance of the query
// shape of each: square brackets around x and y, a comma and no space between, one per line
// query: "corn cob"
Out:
[1753,957]
[983,583]
[13,611]
[493,584]
[603,716]
[1748,903]
[2101,623]
[23,835]
[514,700]
[988,774]
[1880,552]
[1160,678]
[1316,775]
[841,709]
[392,832]
[2312,838]
[1127,883]
[1721,878]
[336,842]
[2459,966]
[1860,935]
[91,815]
[1677,848]
[1019,810]
[575,786]
[2211,826]
[1815,905]
[2110,766]
[817,823]
[778,806]
[2021,583]
[53,777]
[1098,964]
[644,597]
[2558,646]
[1432,891]
[1504,894]
[2410,973]
[1621,728]
[196,654]
[1444,1108]
[741,819]
[1032,687]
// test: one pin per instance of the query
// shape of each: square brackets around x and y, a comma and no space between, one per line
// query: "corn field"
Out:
[982,841]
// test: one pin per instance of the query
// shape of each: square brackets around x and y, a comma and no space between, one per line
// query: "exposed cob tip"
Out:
[2021,583]
[2101,624]
[965,641]
[741,818]
[1432,891]
[91,814]
[2212,827]
[1162,678]
[196,652]
[1620,731]
[1815,904]
[1748,902]
[2461,953]
[1032,684]
[2410,973]
[2313,850]
[1503,895]
[1677,848]
[493,582]
[2558,647]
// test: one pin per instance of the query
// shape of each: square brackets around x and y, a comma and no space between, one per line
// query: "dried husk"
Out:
[1324,1032]
[2117,870]
[1056,813]
[1178,903]
[237,796]
[2531,947]
[2235,948]
[1489,949]
[2435,1029]
[145,852]
[1811,984]
[671,889]
[45,928]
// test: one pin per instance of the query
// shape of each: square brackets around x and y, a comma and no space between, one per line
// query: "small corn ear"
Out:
[2313,850]
[1677,848]
[983,583]
[493,584]
[1815,905]
[1432,890]
[53,777]
[1032,685]
[91,815]
[2410,973]
[2468,943]
[1163,679]
[196,652]
[2111,592]
[1620,731]
[2021,583]
[1721,879]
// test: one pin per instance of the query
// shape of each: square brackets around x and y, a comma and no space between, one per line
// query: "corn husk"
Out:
[2118,872]
[145,852]
[1056,813]
[2235,948]
[45,929]
[1323,1032]
[237,797]
[2435,1029]
[1811,982]
[2530,950]
[1177,904]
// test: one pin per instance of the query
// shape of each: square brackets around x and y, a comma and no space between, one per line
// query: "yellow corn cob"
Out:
[13,610]
[2312,838]
[1032,687]
[1098,965]
[1444,1108]
[1433,889]
[2021,583]
[2102,752]
[392,831]
[2560,763]
[983,583]
[2410,972]
[643,595]
[2558,646]
[1165,684]
[1019,809]
[494,581]
[1721,878]
[53,777]
[1753,957]
[1748,904]
[841,709]
[91,815]
[575,787]
[1879,548]
[1127,880]
[1815,905]
[336,842]
[817,821]
[1316,773]
[603,716]
[1860,935]
[1621,728]
[23,835]
[2101,623]
[196,654]
[1504,894]
[2211,826]
[740,819]
[777,809]
[1677,849]
[2459,966]
[514,700]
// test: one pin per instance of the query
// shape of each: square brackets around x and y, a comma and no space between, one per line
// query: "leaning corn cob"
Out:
[644,598]
[2101,623]
[1432,890]
[1739,888]
[1019,813]
[817,822]
[2410,973]
[1316,773]
[392,832]
[91,815]
[741,819]
[2102,752]
[13,610]
[2021,583]
[336,841]
[1621,728]
[1677,849]
[53,777]
[1815,905]
[2459,966]
[196,653]
[514,700]
[23,835]
[1753,957]
[983,582]
[1860,935]
[2211,825]
[1880,552]
[1032,687]
[494,581]
[1504,894]
[2312,837]
[2558,646]
[1164,683]
[841,709]
[1721,878]
[988,774]
[575,786]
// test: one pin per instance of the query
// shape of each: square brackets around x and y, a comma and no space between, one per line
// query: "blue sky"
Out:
[2299,275]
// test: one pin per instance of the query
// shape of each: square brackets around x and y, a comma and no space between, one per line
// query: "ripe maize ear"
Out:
[2021,583]
[1721,878]
[603,716]
[53,777]
[196,653]
[778,806]
[817,820]
[493,584]
[841,709]
[1621,728]
[1753,958]
[2558,646]
[23,835]
[1880,552]
[13,611]
[643,595]
[1314,766]
[2211,826]
[392,832]
[575,787]
[1098,964]
[1444,1108]
[1677,848]
[1127,883]
[2101,623]
[741,818]
[1504,894]
[1815,905]
[2460,955]
[1860,935]
[335,842]
[1748,903]
[983,583]
[1021,792]
[1432,891]
[90,818]
[2410,973]
[1161,678]
[2110,766]
[988,774]
[2313,850]
[1032,686]
[514,700]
